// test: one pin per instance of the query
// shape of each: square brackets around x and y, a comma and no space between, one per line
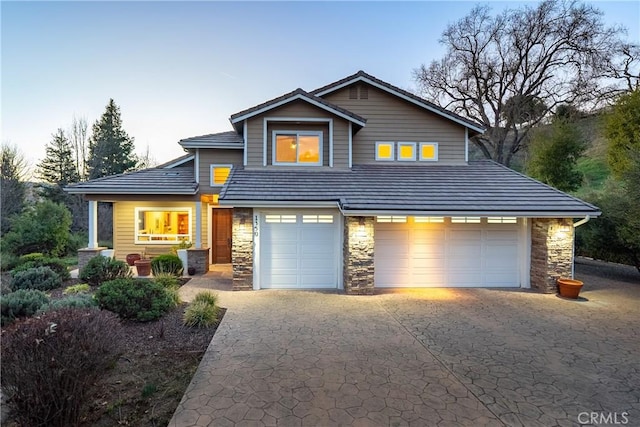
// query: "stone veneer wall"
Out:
[242,249]
[198,259]
[358,255]
[551,252]
[85,254]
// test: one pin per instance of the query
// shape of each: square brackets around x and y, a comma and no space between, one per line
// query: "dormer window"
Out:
[297,148]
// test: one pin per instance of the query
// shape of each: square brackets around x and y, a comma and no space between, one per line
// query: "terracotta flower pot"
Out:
[143,267]
[569,288]
[132,258]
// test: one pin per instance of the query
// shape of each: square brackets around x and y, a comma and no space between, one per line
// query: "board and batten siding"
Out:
[297,109]
[124,227]
[392,119]
[215,156]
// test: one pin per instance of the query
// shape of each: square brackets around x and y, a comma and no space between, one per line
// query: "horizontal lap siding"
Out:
[298,109]
[392,119]
[124,227]
[215,156]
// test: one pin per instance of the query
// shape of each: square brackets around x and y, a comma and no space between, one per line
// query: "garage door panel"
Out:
[456,255]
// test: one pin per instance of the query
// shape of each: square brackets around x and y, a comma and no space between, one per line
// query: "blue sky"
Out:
[181,69]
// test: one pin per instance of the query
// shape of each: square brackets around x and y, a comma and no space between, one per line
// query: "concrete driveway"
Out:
[433,357]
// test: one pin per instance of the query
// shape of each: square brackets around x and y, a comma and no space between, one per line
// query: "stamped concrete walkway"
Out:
[433,357]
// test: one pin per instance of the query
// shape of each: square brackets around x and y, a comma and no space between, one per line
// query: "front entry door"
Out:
[221,235]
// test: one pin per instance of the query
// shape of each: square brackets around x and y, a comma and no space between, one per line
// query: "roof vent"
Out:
[364,92]
[171,174]
[353,92]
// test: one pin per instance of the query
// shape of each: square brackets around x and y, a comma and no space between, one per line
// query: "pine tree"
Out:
[111,150]
[57,169]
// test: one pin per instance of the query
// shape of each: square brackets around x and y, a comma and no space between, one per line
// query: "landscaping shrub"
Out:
[71,301]
[8,261]
[76,289]
[29,261]
[102,269]
[50,363]
[142,300]
[166,280]
[42,278]
[43,227]
[200,314]
[206,296]
[174,293]
[203,311]
[166,263]
[21,303]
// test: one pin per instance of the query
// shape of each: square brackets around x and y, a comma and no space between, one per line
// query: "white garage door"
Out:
[299,249]
[445,254]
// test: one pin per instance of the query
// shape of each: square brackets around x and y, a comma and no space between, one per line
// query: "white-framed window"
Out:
[428,219]
[297,148]
[162,226]
[391,218]
[282,219]
[219,174]
[465,220]
[502,220]
[429,151]
[385,150]
[318,219]
[406,151]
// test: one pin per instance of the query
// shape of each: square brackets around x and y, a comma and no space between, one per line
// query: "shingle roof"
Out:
[292,96]
[362,76]
[481,188]
[176,162]
[228,139]
[175,181]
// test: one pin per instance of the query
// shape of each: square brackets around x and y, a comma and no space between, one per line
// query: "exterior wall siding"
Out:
[215,156]
[124,227]
[392,119]
[255,133]
[551,252]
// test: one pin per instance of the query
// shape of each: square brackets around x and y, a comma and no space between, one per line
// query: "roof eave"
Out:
[204,144]
[132,191]
[483,213]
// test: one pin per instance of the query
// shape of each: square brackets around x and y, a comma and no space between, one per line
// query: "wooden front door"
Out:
[221,235]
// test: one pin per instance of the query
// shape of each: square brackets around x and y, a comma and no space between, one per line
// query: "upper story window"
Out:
[297,148]
[219,174]
[429,151]
[385,150]
[406,151]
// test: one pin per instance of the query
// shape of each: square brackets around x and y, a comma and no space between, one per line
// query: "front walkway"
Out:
[433,357]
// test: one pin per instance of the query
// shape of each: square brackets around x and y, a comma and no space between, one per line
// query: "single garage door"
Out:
[447,252]
[299,250]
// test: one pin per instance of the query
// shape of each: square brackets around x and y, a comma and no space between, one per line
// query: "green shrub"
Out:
[21,303]
[51,362]
[8,261]
[142,300]
[5,287]
[206,296]
[101,269]
[200,314]
[43,227]
[42,278]
[174,293]
[71,301]
[76,289]
[167,280]
[166,263]
[75,242]
[29,261]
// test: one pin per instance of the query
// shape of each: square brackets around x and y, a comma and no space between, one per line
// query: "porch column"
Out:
[93,224]
[198,243]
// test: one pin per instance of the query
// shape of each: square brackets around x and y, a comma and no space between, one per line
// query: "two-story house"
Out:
[356,185]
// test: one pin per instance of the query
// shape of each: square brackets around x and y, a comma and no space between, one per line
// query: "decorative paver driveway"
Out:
[436,357]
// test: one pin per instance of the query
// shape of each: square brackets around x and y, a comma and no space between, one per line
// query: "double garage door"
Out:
[299,250]
[409,254]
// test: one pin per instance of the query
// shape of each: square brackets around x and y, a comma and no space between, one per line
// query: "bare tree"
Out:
[146,159]
[510,71]
[13,187]
[80,144]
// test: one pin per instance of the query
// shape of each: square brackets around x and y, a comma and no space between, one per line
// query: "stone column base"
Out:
[85,254]
[358,275]
[198,259]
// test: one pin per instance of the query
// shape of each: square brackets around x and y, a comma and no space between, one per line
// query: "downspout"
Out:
[573,251]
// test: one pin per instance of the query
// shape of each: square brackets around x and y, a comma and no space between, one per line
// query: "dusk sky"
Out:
[181,69]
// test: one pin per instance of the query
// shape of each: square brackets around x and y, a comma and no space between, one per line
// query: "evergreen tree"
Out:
[555,152]
[111,150]
[57,169]
[622,129]
[12,185]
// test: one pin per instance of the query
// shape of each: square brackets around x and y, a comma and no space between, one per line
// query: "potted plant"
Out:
[143,265]
[569,288]
[132,258]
